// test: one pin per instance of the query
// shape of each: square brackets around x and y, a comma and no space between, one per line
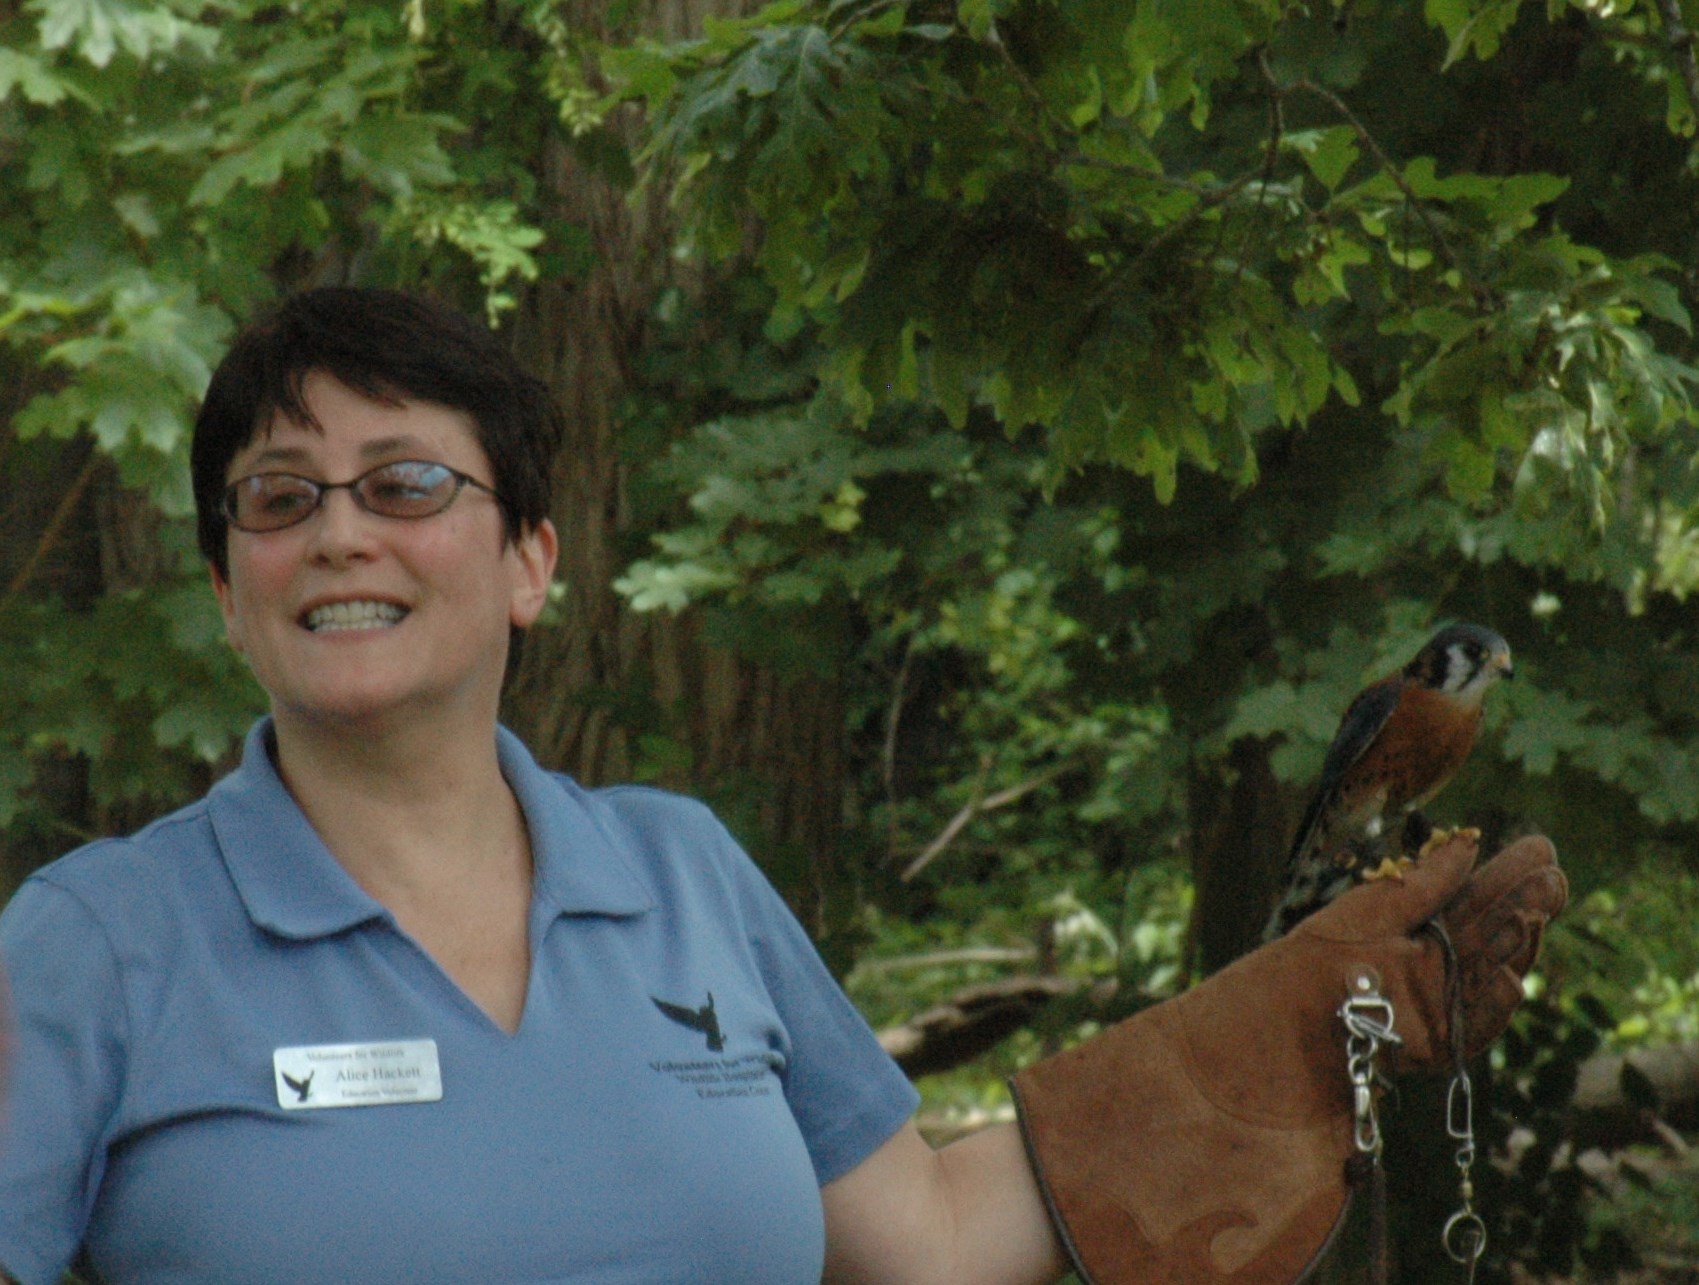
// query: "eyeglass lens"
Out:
[403,489]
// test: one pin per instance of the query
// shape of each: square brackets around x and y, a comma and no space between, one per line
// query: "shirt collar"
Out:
[580,870]
[292,886]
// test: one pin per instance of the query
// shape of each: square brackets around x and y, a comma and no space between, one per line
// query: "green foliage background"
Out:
[1098,393]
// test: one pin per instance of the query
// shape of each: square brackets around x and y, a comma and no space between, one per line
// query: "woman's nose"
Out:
[339,527]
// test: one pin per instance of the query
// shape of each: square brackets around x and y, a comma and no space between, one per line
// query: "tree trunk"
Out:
[1238,828]
[609,693]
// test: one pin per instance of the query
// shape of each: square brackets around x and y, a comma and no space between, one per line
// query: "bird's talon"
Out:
[1440,836]
[1389,868]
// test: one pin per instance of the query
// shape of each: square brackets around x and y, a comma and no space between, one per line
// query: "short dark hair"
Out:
[386,344]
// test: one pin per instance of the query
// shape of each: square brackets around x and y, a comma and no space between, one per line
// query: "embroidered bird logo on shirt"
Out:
[303,1088]
[1401,740]
[702,1019]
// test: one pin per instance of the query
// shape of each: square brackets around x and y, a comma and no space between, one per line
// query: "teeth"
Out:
[354,615]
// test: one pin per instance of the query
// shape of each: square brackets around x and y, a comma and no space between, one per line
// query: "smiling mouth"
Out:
[352,615]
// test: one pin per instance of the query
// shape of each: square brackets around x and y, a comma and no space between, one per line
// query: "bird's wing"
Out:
[1364,718]
[693,1018]
[292,1082]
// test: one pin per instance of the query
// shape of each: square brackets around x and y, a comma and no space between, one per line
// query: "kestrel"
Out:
[1401,740]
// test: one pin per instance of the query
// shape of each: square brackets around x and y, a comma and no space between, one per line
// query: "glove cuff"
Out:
[1148,1180]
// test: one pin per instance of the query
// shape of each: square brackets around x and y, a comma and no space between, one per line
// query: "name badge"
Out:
[313,1076]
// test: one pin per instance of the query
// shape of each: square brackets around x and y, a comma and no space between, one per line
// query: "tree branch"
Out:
[52,532]
[977,806]
[1606,1115]
[888,750]
[947,835]
[1392,171]
[976,1019]
[944,958]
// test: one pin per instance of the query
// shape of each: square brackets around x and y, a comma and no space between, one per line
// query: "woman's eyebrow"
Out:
[393,445]
[278,455]
[374,449]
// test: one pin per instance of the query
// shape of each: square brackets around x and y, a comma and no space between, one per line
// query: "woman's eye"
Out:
[277,503]
[397,489]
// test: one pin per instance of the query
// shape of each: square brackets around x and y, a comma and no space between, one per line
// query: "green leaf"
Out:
[1329,153]
[1544,726]
[35,80]
[100,28]
[1265,711]
[1518,196]
[656,586]
[1476,27]
[397,153]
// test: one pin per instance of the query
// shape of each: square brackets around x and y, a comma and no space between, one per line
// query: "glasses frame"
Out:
[228,505]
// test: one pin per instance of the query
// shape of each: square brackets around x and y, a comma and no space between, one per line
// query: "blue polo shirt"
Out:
[684,1078]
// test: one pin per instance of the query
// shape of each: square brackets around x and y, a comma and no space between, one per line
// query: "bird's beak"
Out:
[1501,661]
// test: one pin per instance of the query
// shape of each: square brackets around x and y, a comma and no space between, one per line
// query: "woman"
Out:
[392,1003]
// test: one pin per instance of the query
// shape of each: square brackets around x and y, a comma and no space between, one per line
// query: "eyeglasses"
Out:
[401,489]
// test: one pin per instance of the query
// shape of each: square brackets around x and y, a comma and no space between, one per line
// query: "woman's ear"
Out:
[226,606]
[535,553]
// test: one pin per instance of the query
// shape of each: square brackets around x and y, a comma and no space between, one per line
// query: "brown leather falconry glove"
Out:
[1206,1138]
